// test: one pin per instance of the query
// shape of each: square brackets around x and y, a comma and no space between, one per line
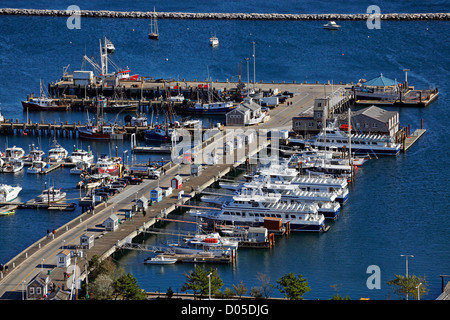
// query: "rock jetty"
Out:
[222,16]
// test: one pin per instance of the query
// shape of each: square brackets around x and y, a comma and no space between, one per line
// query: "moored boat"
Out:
[252,209]
[360,144]
[80,155]
[8,192]
[37,166]
[14,152]
[160,259]
[108,165]
[57,153]
[12,166]
[51,195]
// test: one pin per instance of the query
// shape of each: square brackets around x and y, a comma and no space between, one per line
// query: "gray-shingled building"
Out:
[374,120]
[247,113]
[371,120]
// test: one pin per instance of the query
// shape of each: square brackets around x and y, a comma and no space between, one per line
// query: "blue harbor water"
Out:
[398,205]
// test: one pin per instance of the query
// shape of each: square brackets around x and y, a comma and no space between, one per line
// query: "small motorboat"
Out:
[51,195]
[37,166]
[214,41]
[331,26]
[12,166]
[160,259]
[80,167]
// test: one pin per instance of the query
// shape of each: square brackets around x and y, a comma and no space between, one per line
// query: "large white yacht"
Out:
[252,209]
[334,137]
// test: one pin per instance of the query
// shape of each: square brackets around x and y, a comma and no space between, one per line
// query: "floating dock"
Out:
[411,139]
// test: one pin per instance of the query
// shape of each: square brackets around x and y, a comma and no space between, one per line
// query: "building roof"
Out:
[240,108]
[380,81]
[40,278]
[376,113]
[112,217]
[252,105]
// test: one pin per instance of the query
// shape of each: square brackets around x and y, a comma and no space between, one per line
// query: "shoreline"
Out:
[223,16]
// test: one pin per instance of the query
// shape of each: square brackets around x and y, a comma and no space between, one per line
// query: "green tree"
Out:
[127,287]
[198,281]
[409,286]
[293,287]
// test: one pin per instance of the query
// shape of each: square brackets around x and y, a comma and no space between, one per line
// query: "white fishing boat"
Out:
[80,155]
[331,26]
[12,166]
[251,209]
[80,167]
[8,192]
[108,165]
[57,153]
[109,46]
[37,166]
[51,195]
[14,153]
[35,153]
[160,259]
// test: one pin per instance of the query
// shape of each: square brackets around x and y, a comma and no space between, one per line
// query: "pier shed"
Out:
[156,195]
[176,182]
[37,288]
[63,259]
[142,203]
[111,223]
[87,240]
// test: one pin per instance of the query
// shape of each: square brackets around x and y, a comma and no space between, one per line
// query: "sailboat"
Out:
[154,34]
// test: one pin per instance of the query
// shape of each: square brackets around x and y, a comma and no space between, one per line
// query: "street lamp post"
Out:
[418,291]
[406,256]
[209,277]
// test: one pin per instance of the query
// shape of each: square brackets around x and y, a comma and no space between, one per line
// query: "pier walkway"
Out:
[42,255]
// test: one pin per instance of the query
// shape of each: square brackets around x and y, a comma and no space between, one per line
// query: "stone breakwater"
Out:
[223,16]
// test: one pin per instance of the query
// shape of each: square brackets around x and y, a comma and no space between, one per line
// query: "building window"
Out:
[31,290]
[374,125]
[310,124]
[38,290]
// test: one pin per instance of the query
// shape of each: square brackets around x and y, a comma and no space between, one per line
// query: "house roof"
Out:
[41,278]
[65,252]
[380,81]
[376,113]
